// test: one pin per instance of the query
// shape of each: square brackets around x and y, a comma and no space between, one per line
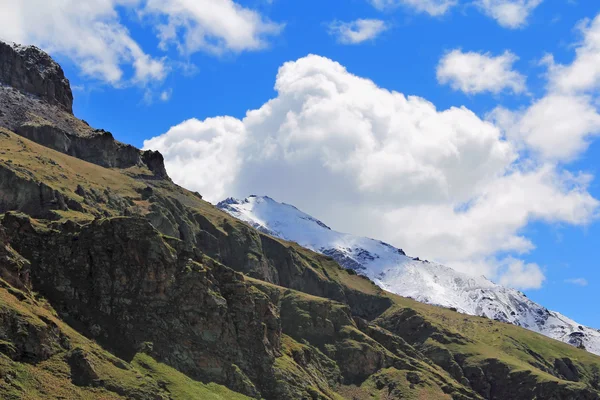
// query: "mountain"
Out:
[427,282]
[115,283]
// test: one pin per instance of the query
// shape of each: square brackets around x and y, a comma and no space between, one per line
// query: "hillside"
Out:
[117,283]
[425,281]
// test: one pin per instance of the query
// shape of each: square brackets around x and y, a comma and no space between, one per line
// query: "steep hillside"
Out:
[425,281]
[117,283]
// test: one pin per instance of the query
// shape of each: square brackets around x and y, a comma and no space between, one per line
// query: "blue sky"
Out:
[237,75]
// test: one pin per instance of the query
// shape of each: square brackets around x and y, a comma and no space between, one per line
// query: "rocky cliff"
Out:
[117,283]
[32,71]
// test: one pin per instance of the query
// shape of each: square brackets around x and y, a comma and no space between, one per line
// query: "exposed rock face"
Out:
[99,148]
[34,198]
[31,70]
[124,285]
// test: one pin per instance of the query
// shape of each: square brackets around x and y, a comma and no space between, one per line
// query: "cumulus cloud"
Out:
[443,184]
[577,281]
[210,148]
[92,35]
[357,31]
[473,72]
[431,7]
[508,13]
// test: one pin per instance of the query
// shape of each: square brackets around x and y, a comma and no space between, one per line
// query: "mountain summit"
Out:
[427,282]
[29,69]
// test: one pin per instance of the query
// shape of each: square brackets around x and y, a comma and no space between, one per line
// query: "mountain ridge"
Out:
[421,280]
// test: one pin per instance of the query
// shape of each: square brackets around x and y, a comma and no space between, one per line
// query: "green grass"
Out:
[179,385]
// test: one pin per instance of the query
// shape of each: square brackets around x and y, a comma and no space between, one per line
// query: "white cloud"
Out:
[357,31]
[431,7]
[583,74]
[473,72]
[560,125]
[214,26]
[556,127]
[521,275]
[508,13]
[165,95]
[92,35]
[209,147]
[577,281]
[89,33]
[442,184]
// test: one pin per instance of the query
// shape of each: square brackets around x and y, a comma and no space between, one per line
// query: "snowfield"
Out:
[394,271]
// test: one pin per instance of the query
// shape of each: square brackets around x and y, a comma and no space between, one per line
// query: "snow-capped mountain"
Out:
[394,271]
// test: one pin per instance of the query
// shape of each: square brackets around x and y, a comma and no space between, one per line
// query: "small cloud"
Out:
[431,7]
[187,68]
[472,72]
[577,281]
[148,97]
[166,94]
[357,31]
[510,14]
[522,276]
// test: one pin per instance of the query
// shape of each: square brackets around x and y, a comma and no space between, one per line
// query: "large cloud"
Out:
[440,183]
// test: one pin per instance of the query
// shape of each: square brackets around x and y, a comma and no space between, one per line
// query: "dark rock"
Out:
[413,378]
[31,70]
[34,198]
[100,148]
[565,368]
[82,369]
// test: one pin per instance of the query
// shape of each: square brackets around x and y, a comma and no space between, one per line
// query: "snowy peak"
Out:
[424,281]
[261,211]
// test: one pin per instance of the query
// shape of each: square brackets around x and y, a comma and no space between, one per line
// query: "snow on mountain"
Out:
[394,271]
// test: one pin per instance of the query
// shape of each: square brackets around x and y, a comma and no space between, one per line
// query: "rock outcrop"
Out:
[29,69]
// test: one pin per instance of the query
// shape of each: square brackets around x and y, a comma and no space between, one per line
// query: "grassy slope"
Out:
[520,348]
[485,339]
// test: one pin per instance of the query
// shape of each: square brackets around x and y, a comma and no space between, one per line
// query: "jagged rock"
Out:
[29,69]
[100,148]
